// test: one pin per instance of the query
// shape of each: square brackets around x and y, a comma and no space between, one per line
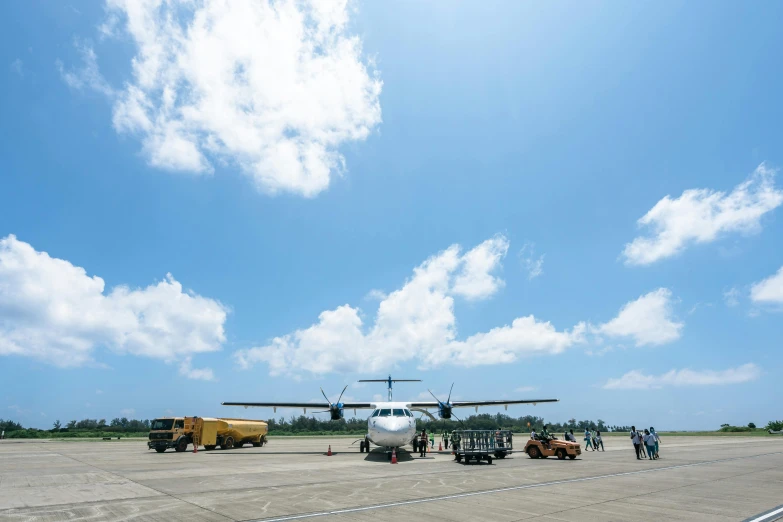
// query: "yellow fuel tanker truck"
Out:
[179,432]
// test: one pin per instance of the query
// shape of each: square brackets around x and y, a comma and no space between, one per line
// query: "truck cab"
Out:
[168,432]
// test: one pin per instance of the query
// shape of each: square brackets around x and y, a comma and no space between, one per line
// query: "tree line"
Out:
[483,421]
[302,425]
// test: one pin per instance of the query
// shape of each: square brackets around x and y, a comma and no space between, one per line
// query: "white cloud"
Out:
[128,412]
[769,290]
[53,311]
[89,76]
[532,264]
[17,67]
[415,322]
[203,374]
[636,380]
[702,216]
[275,87]
[648,320]
[475,280]
[730,297]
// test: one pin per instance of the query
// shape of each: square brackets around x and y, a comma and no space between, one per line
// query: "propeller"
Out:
[335,408]
[444,408]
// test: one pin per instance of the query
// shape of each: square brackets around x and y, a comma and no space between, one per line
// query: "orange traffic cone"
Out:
[329,453]
[394,456]
[195,448]
[440,446]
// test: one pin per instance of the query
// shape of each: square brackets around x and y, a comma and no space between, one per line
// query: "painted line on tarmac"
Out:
[773,514]
[514,488]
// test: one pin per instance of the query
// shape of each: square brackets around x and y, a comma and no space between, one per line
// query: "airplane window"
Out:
[398,412]
[375,413]
[385,413]
[408,413]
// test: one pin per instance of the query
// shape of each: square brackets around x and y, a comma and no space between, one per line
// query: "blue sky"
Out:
[293,169]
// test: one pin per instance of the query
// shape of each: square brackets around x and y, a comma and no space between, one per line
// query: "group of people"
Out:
[646,443]
[424,441]
[593,439]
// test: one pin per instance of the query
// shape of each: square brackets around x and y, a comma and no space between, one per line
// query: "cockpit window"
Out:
[398,412]
[385,413]
[408,413]
[375,413]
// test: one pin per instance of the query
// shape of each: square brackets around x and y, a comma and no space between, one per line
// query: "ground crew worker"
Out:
[545,437]
[423,443]
[446,440]
[432,440]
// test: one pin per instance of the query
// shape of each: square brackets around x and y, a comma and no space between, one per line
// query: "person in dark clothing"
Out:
[423,441]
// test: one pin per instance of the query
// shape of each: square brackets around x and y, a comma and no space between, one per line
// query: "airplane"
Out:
[391,425]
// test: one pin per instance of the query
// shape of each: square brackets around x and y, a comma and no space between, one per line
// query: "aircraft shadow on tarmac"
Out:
[380,455]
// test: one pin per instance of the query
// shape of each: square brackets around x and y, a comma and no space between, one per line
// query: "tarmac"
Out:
[697,478]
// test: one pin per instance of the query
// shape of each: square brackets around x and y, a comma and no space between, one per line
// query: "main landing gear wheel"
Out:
[361,446]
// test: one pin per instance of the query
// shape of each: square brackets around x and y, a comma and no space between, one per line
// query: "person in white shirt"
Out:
[636,441]
[649,441]
[657,440]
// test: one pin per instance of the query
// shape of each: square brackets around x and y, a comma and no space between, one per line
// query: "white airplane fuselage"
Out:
[391,431]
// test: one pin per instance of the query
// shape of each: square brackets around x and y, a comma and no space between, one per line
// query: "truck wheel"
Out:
[182,445]
[256,444]
[533,452]
[561,454]
[572,457]
[209,448]
[239,444]
[459,457]
[160,450]
[228,443]
[489,460]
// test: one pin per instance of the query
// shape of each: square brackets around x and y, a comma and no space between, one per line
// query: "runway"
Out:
[698,478]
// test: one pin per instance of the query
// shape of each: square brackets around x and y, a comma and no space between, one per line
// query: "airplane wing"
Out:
[468,404]
[313,405]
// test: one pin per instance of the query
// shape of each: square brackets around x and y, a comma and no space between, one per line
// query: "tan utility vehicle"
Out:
[537,449]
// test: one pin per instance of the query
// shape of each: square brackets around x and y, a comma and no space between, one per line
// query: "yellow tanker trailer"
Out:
[179,432]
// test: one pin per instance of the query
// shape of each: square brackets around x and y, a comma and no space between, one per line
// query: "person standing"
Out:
[423,443]
[445,440]
[588,440]
[642,445]
[649,441]
[636,439]
[598,441]
[657,441]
